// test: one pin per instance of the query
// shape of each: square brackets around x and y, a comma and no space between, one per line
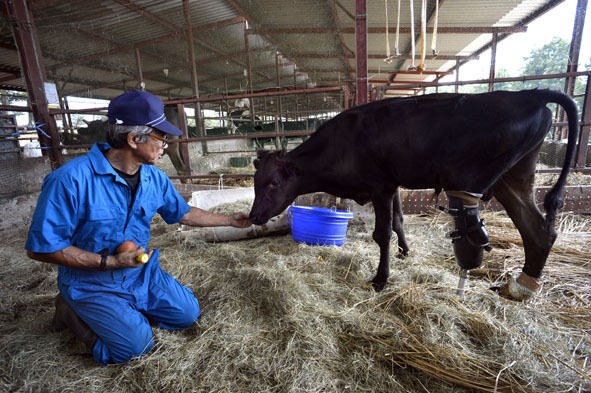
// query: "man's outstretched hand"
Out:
[239,220]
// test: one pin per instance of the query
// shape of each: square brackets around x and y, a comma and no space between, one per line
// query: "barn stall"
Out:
[279,315]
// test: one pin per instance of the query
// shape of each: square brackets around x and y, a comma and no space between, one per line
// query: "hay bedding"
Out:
[278,316]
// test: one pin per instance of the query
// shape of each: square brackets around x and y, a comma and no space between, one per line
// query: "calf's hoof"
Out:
[520,289]
[378,285]
[402,253]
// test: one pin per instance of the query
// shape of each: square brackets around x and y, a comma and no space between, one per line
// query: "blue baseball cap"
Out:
[140,108]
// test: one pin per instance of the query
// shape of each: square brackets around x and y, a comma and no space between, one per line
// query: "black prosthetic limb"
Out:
[469,237]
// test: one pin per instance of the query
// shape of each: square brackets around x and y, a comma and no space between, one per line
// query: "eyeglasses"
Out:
[164,140]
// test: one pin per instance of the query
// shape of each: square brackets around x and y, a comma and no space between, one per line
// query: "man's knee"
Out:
[123,346]
[190,314]
[131,348]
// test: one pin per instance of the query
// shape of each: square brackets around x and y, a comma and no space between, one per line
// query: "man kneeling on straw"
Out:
[88,208]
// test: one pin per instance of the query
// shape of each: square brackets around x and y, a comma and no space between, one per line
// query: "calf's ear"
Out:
[262,153]
[288,170]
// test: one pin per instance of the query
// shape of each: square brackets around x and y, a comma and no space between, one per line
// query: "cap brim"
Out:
[168,128]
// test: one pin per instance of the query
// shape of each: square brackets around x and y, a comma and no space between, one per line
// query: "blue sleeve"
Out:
[174,207]
[55,217]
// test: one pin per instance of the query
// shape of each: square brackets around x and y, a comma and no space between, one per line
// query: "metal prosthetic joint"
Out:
[469,237]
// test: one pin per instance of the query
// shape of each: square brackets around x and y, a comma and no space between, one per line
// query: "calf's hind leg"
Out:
[515,192]
[397,223]
[382,204]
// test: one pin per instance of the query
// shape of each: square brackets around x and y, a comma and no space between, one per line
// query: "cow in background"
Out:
[473,146]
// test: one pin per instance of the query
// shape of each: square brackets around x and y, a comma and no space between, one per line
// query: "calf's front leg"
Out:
[397,223]
[382,204]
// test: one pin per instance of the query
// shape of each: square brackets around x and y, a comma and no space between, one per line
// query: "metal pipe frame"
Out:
[488,80]
[255,94]
[184,147]
[25,35]
[346,52]
[194,80]
[380,56]
[493,59]
[583,145]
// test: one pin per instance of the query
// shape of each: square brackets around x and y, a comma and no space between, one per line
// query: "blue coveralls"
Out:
[86,204]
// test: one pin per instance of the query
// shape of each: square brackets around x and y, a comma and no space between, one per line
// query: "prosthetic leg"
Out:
[469,237]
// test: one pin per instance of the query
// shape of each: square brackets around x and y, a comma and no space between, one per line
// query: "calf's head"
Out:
[275,185]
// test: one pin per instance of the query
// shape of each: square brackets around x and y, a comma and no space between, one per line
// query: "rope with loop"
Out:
[435,23]
[396,51]
[423,38]
[388,58]
[412,35]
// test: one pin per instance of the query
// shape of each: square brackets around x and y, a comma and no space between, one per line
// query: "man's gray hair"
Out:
[117,134]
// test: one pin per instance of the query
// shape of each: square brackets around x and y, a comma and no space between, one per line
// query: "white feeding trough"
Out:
[231,200]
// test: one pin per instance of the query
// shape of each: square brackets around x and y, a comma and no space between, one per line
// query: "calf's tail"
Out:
[554,199]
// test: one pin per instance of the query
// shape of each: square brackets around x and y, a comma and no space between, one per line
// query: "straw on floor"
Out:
[278,316]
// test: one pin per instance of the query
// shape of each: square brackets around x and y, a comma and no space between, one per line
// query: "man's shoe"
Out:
[65,317]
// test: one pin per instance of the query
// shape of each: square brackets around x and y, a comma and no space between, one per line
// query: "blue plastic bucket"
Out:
[318,225]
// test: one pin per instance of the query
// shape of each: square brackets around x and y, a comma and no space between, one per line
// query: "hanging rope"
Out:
[388,58]
[423,38]
[396,51]
[412,37]
[435,23]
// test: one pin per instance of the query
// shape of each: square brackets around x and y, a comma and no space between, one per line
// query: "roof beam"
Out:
[534,15]
[374,71]
[382,30]
[7,86]
[378,56]
[15,71]
[240,74]
[157,40]
[346,11]
[269,38]
[149,75]
[43,3]
[148,15]
[174,29]
[346,51]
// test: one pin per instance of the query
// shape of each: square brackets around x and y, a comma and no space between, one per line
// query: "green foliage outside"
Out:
[9,97]
[548,59]
[551,58]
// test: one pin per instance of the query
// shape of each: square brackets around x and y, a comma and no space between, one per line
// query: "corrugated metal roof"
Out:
[89,46]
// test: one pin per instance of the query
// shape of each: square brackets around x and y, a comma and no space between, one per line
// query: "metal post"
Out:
[66,118]
[68,115]
[25,35]
[361,50]
[183,146]
[583,146]
[346,98]
[573,56]
[493,58]
[194,81]
[457,73]
[229,123]
[307,112]
[278,115]
[248,71]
